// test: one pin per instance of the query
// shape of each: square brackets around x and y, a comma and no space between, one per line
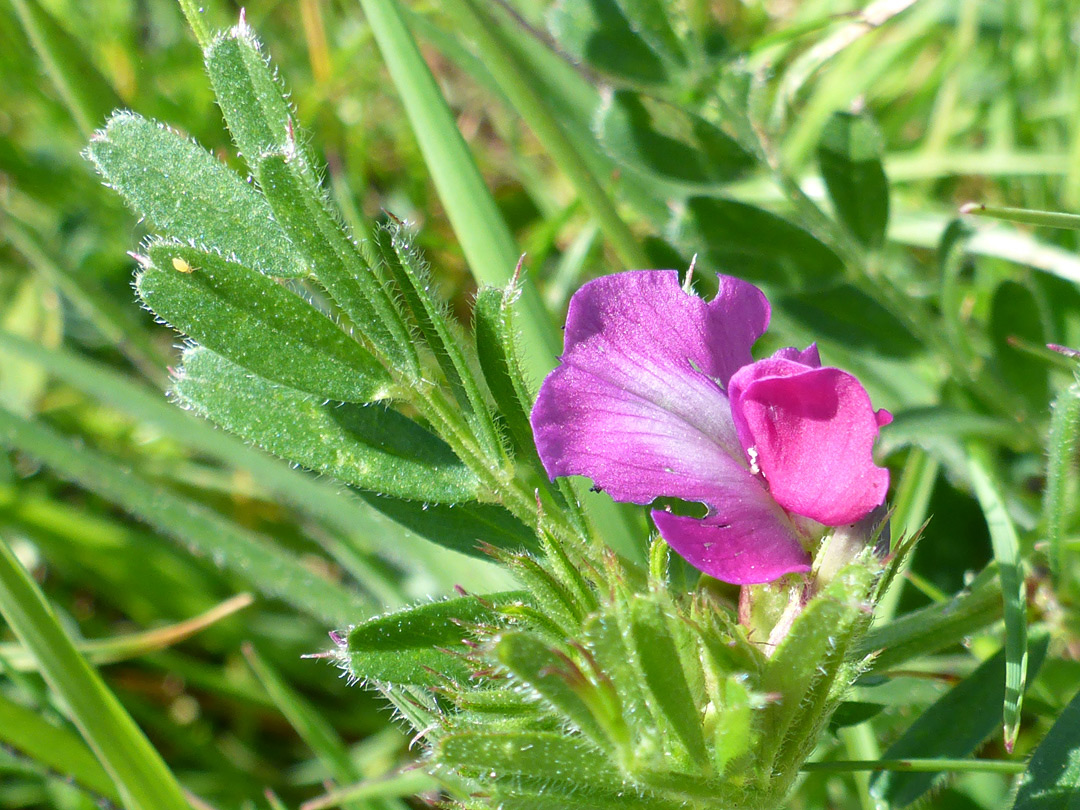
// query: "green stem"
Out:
[199,28]
[497,54]
[918,766]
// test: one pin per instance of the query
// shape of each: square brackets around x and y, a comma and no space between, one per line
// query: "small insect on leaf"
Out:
[181,265]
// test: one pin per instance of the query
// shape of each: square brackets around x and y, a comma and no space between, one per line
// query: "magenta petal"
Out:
[744,543]
[811,433]
[647,313]
[808,356]
[637,403]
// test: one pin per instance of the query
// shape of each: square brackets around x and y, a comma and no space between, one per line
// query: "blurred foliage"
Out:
[944,322]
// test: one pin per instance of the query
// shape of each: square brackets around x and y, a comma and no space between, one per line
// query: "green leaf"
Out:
[556,678]
[847,315]
[657,654]
[371,447]
[410,646]
[1052,780]
[462,527]
[56,748]
[1014,313]
[313,727]
[141,777]
[249,93]
[603,637]
[733,732]
[1006,546]
[258,324]
[652,20]
[935,627]
[734,237]
[850,158]
[1027,216]
[665,142]
[496,348]
[402,263]
[597,32]
[853,712]
[267,568]
[305,214]
[176,184]
[953,727]
[562,763]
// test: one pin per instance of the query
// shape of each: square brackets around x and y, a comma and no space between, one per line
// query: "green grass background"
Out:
[975,101]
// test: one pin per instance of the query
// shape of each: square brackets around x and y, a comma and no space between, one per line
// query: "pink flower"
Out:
[657,395]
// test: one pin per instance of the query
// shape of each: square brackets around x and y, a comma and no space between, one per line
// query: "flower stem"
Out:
[918,765]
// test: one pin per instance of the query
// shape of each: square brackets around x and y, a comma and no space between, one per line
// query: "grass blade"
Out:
[1052,779]
[271,570]
[132,645]
[312,727]
[953,727]
[530,104]
[1026,216]
[479,226]
[1061,450]
[323,501]
[87,94]
[142,779]
[932,628]
[400,785]
[1010,569]
[56,748]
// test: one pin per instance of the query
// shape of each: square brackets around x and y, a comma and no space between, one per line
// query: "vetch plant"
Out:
[598,683]
[599,680]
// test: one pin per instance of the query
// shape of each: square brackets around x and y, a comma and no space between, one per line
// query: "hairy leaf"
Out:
[371,447]
[189,194]
[258,324]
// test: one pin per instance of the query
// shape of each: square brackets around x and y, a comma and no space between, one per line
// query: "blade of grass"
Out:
[530,104]
[480,228]
[1026,216]
[919,766]
[401,785]
[132,645]
[113,321]
[142,779]
[312,727]
[1006,546]
[1061,450]
[87,95]
[912,503]
[271,570]
[56,748]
